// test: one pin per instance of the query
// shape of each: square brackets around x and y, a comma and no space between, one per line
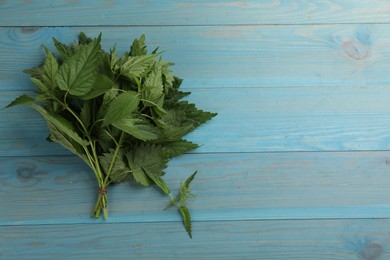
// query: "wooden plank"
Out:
[205,12]
[52,190]
[249,120]
[287,239]
[229,56]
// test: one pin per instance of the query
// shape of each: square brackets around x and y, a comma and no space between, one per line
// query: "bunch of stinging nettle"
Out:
[122,115]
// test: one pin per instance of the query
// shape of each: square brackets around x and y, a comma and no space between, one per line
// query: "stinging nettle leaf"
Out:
[138,128]
[84,39]
[57,136]
[186,219]
[158,181]
[63,49]
[61,124]
[23,99]
[86,113]
[189,114]
[108,97]
[120,172]
[153,90]
[146,158]
[49,69]
[39,84]
[189,180]
[78,73]
[141,177]
[134,67]
[102,85]
[154,79]
[114,60]
[174,133]
[121,107]
[176,148]
[35,72]
[138,48]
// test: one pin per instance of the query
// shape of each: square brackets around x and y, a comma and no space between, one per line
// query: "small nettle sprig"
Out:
[123,116]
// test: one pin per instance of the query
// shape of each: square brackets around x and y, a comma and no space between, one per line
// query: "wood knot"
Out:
[356,50]
[28,175]
[371,251]
[25,173]
[30,29]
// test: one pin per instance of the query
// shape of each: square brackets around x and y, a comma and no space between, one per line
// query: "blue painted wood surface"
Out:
[295,166]
[190,12]
[207,56]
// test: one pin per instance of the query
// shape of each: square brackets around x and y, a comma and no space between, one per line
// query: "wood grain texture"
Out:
[200,12]
[249,120]
[228,56]
[364,239]
[228,187]
[295,166]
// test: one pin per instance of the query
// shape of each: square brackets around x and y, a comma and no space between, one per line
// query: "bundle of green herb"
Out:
[122,115]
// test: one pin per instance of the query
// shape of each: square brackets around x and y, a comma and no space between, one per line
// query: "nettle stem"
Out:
[103,181]
[101,204]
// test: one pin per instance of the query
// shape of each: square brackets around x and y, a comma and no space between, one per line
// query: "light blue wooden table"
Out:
[295,166]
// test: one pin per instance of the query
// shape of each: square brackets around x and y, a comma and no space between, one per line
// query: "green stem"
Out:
[113,139]
[102,200]
[91,162]
[101,203]
[65,105]
[118,145]
[78,119]
[97,165]
[94,123]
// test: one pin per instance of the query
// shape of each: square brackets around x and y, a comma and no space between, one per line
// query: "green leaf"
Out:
[78,73]
[21,100]
[63,49]
[120,172]
[84,39]
[141,177]
[185,192]
[157,180]
[121,107]
[139,128]
[86,113]
[102,85]
[173,133]
[176,148]
[174,125]
[35,72]
[189,180]
[167,76]
[187,113]
[108,97]
[114,60]
[186,219]
[49,70]
[173,94]
[45,76]
[61,124]
[146,158]
[138,48]
[153,90]
[154,79]
[134,67]
[105,140]
[59,137]
[39,84]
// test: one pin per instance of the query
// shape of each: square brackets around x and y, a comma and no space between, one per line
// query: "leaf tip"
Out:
[186,219]
[23,99]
